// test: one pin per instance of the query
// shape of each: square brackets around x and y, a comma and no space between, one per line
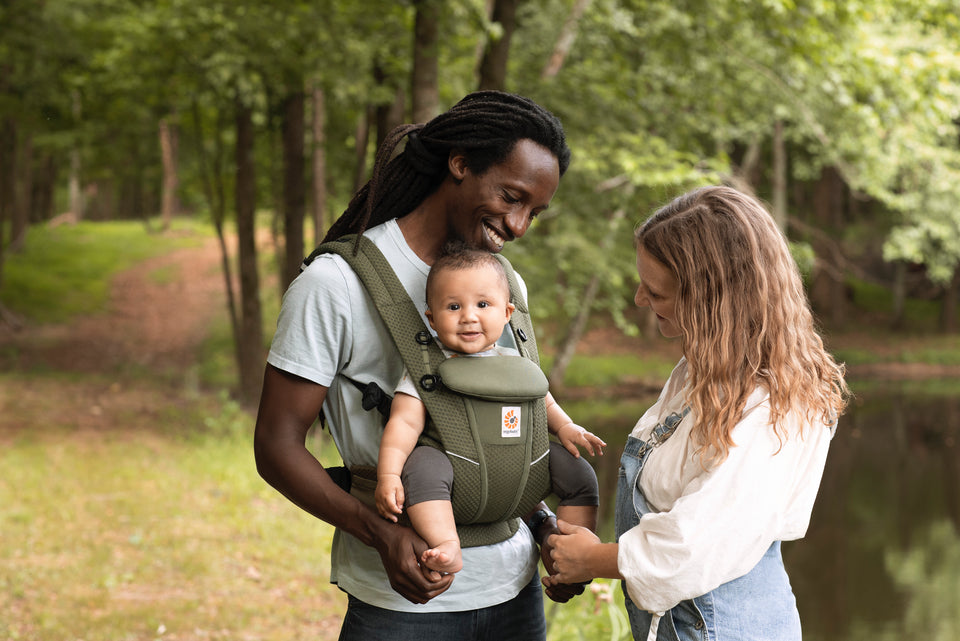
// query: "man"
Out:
[481,173]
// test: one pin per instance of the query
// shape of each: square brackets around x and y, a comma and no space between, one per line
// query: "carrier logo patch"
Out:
[510,422]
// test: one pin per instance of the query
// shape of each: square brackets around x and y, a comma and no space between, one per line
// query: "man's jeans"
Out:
[520,619]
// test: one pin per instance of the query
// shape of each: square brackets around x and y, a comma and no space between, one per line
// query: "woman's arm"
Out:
[288,407]
[578,555]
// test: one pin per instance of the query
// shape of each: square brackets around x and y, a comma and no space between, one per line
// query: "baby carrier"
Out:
[487,414]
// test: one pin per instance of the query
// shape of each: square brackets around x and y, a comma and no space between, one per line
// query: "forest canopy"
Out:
[843,116]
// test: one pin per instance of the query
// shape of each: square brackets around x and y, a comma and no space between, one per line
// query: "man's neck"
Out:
[423,233]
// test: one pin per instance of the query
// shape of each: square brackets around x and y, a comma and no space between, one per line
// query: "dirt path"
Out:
[157,317]
[115,369]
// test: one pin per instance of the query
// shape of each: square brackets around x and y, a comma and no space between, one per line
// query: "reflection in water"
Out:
[881,559]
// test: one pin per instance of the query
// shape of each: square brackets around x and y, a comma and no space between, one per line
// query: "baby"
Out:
[468,305]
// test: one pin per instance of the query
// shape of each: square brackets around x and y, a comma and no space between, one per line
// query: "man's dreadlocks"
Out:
[485,126]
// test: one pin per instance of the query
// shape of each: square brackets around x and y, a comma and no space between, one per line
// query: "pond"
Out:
[881,559]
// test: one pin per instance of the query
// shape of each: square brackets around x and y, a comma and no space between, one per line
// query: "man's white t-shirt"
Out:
[329,329]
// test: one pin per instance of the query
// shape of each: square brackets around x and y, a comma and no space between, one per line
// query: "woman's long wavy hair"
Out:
[485,126]
[743,315]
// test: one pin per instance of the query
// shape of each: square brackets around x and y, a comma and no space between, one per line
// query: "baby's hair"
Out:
[457,255]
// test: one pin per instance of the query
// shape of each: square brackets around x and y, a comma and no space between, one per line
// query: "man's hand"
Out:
[559,592]
[400,550]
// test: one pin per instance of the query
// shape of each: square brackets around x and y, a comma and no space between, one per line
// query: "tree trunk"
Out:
[76,195]
[568,345]
[565,42]
[213,189]
[391,114]
[948,304]
[779,176]
[362,137]
[829,289]
[899,294]
[481,46]
[319,163]
[7,133]
[23,202]
[43,189]
[493,67]
[425,95]
[250,347]
[294,184]
[169,146]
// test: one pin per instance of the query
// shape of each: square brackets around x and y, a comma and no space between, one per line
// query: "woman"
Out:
[727,462]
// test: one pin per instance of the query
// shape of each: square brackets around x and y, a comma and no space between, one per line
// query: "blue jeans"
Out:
[520,619]
[758,606]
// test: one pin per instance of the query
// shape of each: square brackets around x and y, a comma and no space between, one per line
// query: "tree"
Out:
[493,66]
[424,93]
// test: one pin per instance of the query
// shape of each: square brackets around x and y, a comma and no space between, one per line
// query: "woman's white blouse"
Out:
[712,526]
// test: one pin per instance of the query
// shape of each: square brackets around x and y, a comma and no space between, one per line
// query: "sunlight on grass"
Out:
[118,535]
[66,271]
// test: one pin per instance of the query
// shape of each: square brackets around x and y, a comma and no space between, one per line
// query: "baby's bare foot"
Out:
[445,557]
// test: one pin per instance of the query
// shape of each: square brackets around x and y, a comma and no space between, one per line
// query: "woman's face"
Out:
[658,290]
[497,206]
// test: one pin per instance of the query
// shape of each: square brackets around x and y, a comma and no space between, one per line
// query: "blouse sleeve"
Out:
[725,518]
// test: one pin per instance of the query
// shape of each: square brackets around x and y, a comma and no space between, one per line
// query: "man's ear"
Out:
[457,165]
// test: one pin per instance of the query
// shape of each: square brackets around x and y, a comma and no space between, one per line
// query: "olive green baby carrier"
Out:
[487,414]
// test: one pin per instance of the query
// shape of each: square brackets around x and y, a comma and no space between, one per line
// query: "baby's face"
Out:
[468,308]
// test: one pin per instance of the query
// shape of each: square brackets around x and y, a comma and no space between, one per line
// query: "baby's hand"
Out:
[573,436]
[389,496]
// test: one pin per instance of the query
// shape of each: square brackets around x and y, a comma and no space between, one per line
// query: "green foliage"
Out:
[66,271]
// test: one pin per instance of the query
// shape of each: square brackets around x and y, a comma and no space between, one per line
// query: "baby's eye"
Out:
[453,307]
[483,304]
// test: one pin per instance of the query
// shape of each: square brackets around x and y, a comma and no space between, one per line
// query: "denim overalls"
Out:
[758,606]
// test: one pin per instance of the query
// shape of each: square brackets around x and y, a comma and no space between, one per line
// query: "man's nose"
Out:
[518,222]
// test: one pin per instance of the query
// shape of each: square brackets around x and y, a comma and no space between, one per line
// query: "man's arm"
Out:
[288,407]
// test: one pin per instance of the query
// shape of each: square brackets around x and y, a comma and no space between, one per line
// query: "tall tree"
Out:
[250,344]
[294,185]
[424,93]
[493,66]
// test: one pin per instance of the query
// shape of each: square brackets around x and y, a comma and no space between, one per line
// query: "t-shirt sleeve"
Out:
[314,330]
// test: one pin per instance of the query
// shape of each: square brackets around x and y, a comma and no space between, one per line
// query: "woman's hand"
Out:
[577,555]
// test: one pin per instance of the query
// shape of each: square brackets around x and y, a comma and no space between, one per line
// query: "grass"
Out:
[157,531]
[72,265]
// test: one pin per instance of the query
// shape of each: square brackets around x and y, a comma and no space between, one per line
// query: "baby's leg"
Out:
[433,520]
[574,481]
[427,480]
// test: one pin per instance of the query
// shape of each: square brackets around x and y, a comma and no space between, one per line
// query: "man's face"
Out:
[498,206]
[468,308]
